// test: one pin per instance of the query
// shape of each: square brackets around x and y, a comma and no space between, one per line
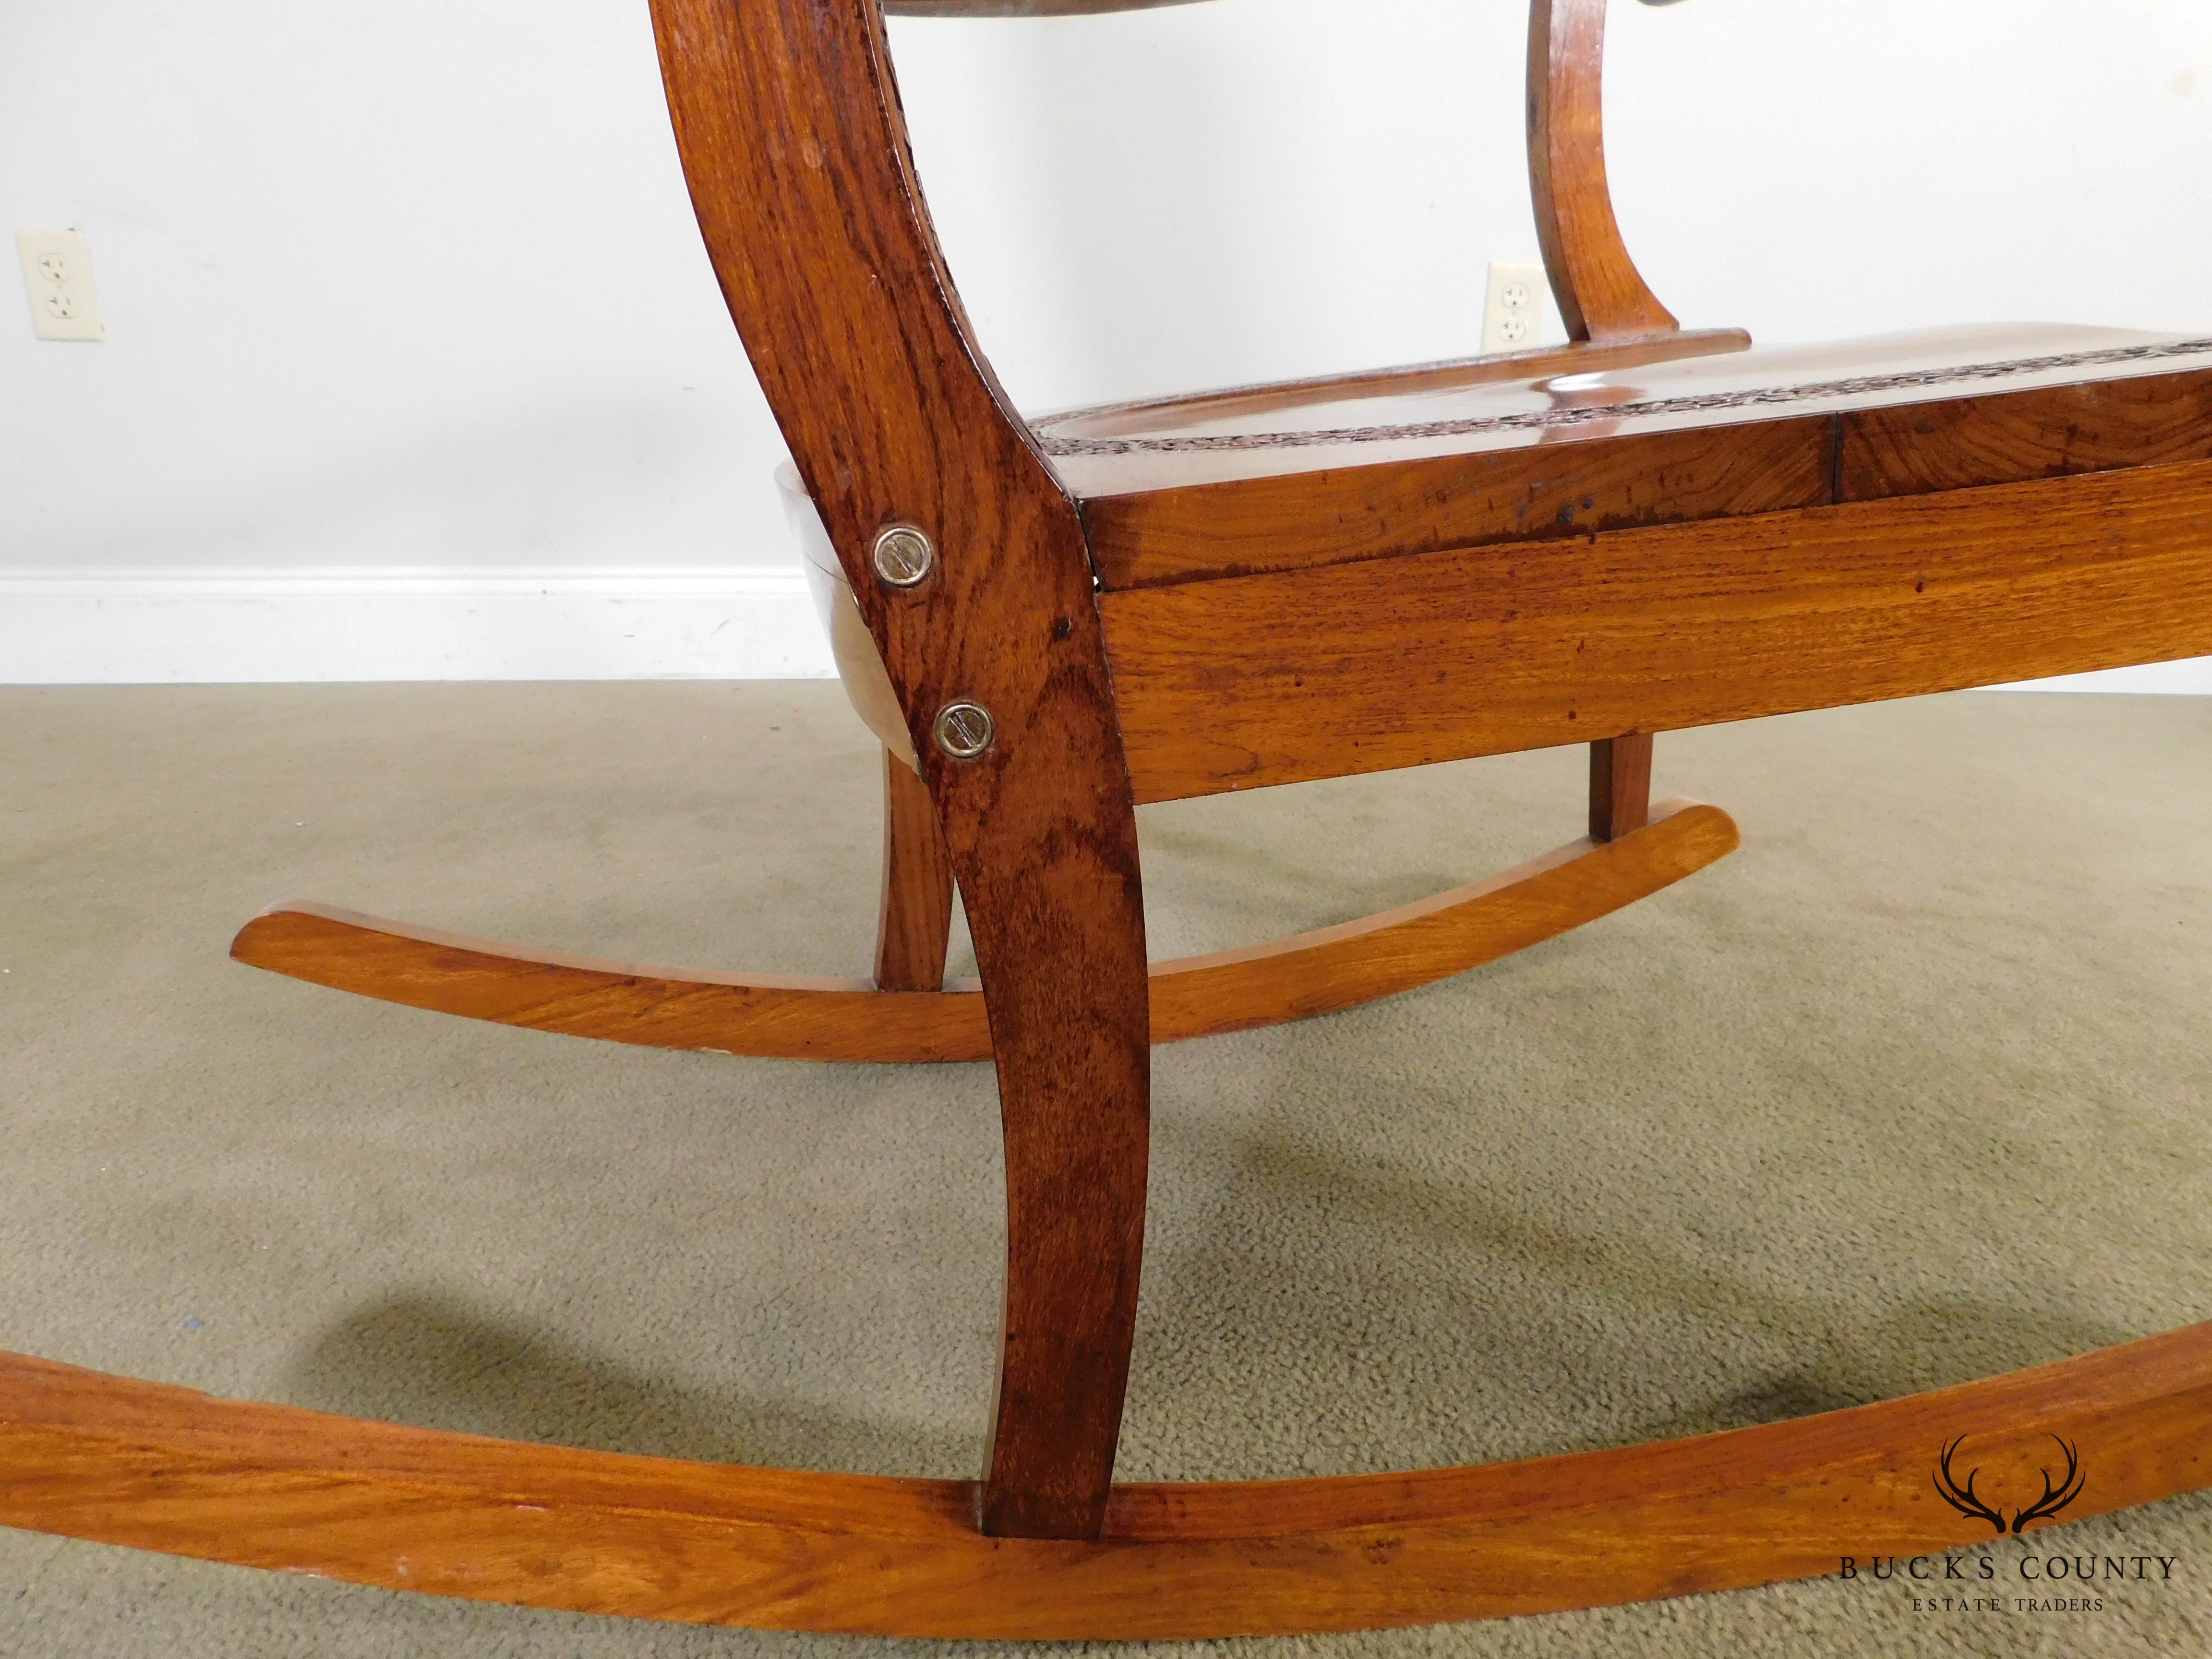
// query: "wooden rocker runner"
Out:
[1051,622]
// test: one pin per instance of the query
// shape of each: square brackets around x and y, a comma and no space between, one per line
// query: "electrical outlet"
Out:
[1513,307]
[57,274]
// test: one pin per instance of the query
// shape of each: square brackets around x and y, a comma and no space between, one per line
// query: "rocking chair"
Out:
[1049,623]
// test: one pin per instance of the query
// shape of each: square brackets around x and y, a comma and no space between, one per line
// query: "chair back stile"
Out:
[1602,298]
[787,121]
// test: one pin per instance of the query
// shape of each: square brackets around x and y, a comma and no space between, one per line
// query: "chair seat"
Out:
[1411,460]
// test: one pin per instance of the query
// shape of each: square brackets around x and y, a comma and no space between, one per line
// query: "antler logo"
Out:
[2054,1498]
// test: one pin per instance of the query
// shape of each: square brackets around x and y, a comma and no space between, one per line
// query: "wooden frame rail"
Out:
[1489,650]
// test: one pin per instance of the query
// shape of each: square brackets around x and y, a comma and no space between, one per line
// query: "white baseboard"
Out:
[150,627]
[2189,677]
[740,623]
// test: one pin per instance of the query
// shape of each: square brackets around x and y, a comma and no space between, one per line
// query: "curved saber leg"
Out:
[805,1018]
[915,916]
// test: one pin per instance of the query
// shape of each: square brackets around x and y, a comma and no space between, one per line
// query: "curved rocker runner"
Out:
[1048,623]
[795,1018]
[139,1464]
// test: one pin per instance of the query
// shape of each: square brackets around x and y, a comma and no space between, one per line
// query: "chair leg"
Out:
[1620,785]
[916,916]
[1044,843]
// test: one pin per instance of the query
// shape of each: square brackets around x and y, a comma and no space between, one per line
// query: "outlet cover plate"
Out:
[57,276]
[1513,307]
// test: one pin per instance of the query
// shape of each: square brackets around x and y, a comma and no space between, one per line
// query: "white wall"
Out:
[409,293]
[1263,186]
[411,283]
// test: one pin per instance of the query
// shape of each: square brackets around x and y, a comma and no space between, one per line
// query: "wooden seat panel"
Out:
[1278,478]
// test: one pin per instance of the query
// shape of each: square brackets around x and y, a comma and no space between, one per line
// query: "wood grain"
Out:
[1399,662]
[915,916]
[1164,417]
[1601,295]
[138,1463]
[1961,443]
[1391,951]
[774,1016]
[1020,8]
[1620,785]
[787,122]
[1341,514]
[1235,990]
[1409,470]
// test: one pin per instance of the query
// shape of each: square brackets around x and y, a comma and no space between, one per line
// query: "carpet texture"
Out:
[1911,1090]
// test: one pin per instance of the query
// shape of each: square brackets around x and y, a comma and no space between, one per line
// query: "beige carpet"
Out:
[1911,1090]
